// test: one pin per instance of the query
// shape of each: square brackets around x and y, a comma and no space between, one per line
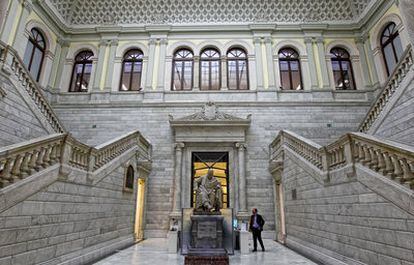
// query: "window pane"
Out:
[85,81]
[338,79]
[232,75]
[36,63]
[177,75]
[243,75]
[126,76]
[136,77]
[215,75]
[205,70]
[389,58]
[188,75]
[398,47]
[28,53]
[284,79]
[296,80]
[76,78]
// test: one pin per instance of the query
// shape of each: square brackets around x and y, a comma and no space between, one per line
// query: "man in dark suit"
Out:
[256,226]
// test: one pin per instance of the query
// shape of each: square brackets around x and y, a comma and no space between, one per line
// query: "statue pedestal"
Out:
[207,235]
[207,241]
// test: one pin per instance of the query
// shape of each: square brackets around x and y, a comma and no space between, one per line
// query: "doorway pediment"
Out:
[210,125]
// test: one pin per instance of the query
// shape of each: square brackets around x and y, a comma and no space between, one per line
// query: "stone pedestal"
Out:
[172,242]
[244,242]
[207,235]
[200,260]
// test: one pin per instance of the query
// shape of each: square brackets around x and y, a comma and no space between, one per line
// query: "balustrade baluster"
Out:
[407,173]
[367,155]
[374,159]
[397,174]
[24,169]
[5,177]
[39,160]
[381,161]
[15,172]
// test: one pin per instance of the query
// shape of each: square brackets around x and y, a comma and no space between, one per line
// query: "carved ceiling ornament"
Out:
[97,12]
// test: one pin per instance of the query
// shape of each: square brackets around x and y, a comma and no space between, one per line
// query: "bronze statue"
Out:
[208,193]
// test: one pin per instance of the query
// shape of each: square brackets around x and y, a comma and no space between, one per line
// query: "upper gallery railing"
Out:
[24,159]
[385,157]
[11,60]
[392,84]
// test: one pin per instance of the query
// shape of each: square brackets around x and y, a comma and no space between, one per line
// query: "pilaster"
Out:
[161,64]
[364,64]
[196,73]
[311,63]
[241,148]
[64,48]
[322,62]
[100,65]
[223,61]
[9,21]
[111,62]
[270,68]
[259,62]
[177,177]
[370,57]
[151,58]
[20,40]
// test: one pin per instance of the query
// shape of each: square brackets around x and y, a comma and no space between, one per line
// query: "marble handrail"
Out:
[393,160]
[392,84]
[24,159]
[9,59]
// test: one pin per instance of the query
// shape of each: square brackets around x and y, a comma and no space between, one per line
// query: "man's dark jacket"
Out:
[260,221]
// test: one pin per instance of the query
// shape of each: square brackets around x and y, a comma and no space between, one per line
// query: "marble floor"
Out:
[154,252]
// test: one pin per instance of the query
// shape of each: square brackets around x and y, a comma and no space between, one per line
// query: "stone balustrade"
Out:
[393,160]
[389,89]
[21,160]
[24,159]
[11,62]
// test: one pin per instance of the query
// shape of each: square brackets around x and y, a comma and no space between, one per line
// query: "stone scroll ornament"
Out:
[208,194]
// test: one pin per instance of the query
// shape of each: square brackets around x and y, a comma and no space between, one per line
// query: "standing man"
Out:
[256,226]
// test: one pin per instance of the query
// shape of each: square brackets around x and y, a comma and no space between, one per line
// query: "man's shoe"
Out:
[263,249]
[254,250]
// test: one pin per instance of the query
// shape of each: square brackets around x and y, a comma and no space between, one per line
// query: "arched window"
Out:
[290,76]
[182,70]
[35,52]
[131,71]
[81,73]
[237,71]
[129,178]
[210,69]
[342,69]
[391,46]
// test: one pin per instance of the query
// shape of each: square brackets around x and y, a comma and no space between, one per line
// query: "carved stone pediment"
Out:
[210,125]
[209,115]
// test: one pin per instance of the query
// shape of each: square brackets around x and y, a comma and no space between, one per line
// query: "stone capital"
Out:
[268,40]
[241,146]
[319,40]
[152,41]
[257,40]
[179,146]
[63,42]
[27,5]
[308,40]
[104,43]
[114,42]
[163,41]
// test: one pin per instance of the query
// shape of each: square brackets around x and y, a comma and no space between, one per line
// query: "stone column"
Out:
[370,56]
[223,61]
[111,62]
[311,63]
[20,40]
[151,58]
[99,66]
[322,62]
[363,57]
[241,147]
[196,73]
[10,17]
[161,64]
[64,48]
[177,177]
[407,14]
[259,62]
[270,68]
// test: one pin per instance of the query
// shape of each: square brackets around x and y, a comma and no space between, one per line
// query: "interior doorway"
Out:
[139,211]
[219,162]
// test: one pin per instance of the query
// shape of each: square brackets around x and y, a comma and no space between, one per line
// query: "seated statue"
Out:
[208,193]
